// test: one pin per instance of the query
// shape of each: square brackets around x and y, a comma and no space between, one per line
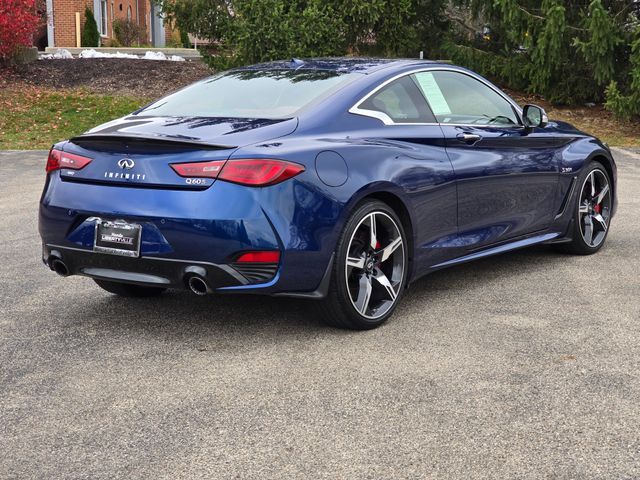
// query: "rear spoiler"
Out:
[88,138]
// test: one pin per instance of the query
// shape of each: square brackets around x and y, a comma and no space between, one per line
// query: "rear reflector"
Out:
[58,159]
[251,172]
[259,257]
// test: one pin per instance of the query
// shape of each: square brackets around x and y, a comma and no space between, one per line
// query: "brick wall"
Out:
[64,19]
[144,11]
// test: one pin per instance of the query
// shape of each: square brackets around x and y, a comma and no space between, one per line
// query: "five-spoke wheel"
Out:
[593,209]
[375,266]
[370,269]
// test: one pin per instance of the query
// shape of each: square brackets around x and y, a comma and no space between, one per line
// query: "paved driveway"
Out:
[519,366]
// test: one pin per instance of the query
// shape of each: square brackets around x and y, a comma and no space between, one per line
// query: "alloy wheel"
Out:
[594,210]
[375,265]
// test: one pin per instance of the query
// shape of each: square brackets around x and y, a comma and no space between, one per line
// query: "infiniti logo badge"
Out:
[126,163]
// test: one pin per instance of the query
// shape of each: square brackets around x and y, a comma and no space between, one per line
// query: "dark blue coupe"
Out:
[341,180]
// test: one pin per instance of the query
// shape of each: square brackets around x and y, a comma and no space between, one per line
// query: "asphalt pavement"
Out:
[521,366]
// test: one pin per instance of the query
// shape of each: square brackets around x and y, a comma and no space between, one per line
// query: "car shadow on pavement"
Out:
[505,266]
[254,315]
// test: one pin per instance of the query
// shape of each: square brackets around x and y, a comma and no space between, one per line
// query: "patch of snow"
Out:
[154,56]
[91,53]
[60,54]
[161,56]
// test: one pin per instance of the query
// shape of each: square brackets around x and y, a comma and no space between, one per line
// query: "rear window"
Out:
[270,94]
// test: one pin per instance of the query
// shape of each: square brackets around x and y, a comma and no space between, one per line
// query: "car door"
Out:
[417,162]
[507,178]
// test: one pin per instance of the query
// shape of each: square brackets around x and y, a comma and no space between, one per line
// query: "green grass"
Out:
[34,118]
[592,120]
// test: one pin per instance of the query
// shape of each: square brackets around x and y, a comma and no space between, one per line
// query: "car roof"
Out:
[337,64]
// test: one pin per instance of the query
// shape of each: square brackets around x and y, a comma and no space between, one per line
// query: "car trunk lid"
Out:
[139,151]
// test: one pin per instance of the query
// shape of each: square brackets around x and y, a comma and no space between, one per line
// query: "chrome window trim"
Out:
[385,119]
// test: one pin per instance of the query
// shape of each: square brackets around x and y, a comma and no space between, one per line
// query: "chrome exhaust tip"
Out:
[198,285]
[58,266]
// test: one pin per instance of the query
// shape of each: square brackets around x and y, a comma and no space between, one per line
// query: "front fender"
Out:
[582,152]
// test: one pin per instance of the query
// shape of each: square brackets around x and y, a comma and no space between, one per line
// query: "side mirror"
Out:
[534,116]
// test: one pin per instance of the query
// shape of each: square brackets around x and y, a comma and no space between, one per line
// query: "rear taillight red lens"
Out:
[269,256]
[53,162]
[58,159]
[251,172]
[198,169]
[259,172]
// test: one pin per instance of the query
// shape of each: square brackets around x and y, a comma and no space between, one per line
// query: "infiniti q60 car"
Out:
[341,180]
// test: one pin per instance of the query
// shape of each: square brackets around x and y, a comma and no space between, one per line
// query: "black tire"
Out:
[579,244]
[339,310]
[128,289]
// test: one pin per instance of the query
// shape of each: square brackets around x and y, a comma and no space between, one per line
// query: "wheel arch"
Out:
[606,160]
[607,163]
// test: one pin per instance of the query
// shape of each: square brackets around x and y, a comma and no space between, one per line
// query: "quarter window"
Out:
[401,101]
[458,98]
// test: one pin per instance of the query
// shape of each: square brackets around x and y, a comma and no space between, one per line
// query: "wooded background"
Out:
[568,51]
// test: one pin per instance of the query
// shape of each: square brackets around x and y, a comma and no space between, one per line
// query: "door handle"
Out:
[469,138]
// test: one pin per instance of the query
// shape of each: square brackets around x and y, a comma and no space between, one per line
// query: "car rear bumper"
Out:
[187,230]
[149,271]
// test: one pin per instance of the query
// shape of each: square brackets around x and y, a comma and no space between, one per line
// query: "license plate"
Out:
[117,238]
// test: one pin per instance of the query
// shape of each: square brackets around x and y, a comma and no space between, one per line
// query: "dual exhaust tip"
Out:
[196,282]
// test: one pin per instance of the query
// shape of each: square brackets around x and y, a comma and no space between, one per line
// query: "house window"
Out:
[129,13]
[103,17]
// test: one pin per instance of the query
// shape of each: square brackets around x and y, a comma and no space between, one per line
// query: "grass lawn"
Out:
[595,120]
[600,123]
[36,118]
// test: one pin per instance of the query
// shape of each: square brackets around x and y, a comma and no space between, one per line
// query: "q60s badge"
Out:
[195,181]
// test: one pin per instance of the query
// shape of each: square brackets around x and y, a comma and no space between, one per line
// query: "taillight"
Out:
[251,172]
[58,159]
[259,172]
[268,256]
[198,169]
[53,162]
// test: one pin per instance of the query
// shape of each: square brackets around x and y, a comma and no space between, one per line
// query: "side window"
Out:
[458,98]
[402,101]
